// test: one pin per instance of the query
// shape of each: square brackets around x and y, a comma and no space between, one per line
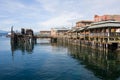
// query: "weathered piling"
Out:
[26,36]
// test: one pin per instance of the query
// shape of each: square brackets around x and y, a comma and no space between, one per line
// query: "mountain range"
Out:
[1,31]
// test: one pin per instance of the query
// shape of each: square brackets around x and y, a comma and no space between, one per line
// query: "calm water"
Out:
[45,61]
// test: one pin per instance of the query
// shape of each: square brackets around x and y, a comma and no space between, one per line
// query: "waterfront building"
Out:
[104,33]
[107,32]
[45,33]
[98,18]
[77,32]
[57,32]
[83,23]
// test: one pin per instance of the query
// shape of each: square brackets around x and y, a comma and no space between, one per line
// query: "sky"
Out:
[46,14]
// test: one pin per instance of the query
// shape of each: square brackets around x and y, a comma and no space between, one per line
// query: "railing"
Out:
[112,34]
[98,34]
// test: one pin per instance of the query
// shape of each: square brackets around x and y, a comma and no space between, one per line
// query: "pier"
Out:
[27,36]
[104,34]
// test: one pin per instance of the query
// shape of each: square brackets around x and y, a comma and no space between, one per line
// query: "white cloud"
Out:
[11,6]
[62,20]
[44,14]
[9,21]
[49,5]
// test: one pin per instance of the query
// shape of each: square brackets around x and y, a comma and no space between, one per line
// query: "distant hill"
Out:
[3,32]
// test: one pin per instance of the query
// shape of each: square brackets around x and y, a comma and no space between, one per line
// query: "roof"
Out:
[78,29]
[45,31]
[83,28]
[102,22]
[85,21]
[73,29]
[60,29]
[105,24]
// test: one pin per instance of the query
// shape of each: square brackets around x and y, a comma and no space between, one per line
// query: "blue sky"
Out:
[46,14]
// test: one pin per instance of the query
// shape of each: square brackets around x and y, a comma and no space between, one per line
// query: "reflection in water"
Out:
[23,46]
[27,46]
[104,64]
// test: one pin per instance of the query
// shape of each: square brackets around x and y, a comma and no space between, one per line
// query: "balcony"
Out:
[112,34]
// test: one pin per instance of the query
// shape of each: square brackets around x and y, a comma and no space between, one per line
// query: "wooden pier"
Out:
[103,35]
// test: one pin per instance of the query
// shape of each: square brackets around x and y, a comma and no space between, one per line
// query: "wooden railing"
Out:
[112,34]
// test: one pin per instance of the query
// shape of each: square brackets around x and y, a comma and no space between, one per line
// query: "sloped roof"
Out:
[78,29]
[85,21]
[58,29]
[105,24]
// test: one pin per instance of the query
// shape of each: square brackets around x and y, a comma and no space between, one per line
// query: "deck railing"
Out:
[112,34]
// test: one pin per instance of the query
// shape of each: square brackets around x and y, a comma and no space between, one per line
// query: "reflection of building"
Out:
[105,65]
[23,46]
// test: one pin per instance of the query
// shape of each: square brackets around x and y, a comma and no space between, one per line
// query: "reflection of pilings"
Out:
[22,45]
[53,40]
[103,63]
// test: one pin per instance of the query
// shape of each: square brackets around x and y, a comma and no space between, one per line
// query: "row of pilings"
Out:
[86,43]
[20,38]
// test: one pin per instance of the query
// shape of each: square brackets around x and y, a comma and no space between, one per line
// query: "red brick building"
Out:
[98,18]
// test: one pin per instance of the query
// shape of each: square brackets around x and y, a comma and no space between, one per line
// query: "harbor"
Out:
[90,49]
[59,40]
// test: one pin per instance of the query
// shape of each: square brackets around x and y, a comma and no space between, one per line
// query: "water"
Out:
[45,61]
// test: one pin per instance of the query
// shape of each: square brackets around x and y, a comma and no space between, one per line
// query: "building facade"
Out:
[45,33]
[98,18]
[57,32]
[83,23]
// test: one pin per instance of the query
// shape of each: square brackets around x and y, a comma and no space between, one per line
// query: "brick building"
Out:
[98,18]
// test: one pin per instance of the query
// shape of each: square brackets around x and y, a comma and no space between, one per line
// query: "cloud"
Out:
[62,20]
[45,14]
[9,21]
[48,5]
[10,6]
